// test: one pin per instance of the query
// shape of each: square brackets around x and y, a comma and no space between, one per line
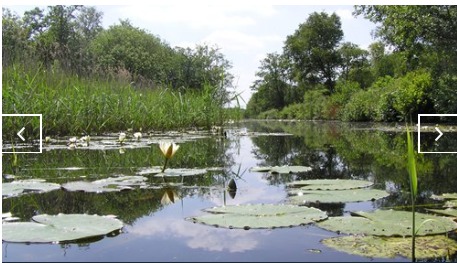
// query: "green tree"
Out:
[273,80]
[125,47]
[313,49]
[417,29]
[14,37]
[355,65]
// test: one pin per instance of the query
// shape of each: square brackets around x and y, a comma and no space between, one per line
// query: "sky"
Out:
[244,31]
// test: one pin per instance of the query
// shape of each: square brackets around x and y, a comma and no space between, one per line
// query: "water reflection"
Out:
[195,236]
[154,215]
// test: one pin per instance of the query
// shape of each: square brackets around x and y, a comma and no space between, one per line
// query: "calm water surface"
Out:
[157,231]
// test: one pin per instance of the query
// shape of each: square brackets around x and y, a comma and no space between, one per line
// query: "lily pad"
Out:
[328,184]
[383,247]
[339,196]
[281,169]
[59,228]
[445,196]
[19,187]
[451,203]
[173,172]
[447,212]
[260,216]
[111,184]
[388,223]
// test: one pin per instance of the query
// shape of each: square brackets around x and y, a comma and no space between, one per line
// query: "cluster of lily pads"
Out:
[381,233]
[69,227]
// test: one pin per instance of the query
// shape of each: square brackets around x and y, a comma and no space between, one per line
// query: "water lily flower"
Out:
[169,197]
[137,135]
[47,139]
[122,137]
[85,139]
[168,149]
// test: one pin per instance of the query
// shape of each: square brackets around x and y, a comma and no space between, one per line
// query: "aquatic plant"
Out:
[168,149]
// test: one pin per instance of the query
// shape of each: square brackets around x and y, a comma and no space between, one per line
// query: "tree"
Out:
[273,80]
[142,54]
[417,29]
[14,37]
[313,50]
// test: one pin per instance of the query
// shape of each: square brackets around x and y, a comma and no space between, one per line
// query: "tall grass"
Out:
[74,105]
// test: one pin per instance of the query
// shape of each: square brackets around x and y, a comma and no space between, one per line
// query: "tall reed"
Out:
[75,105]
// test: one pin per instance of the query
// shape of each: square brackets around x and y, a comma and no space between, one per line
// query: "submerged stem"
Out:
[165,164]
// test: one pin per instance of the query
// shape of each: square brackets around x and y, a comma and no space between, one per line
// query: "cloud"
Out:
[345,14]
[199,16]
[238,41]
[197,236]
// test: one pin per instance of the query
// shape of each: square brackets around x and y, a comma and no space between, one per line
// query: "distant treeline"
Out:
[85,79]
[72,38]
[411,69]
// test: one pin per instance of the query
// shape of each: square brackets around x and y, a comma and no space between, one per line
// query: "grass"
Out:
[73,105]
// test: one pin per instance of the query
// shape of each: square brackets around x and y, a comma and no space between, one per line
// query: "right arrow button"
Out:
[439,136]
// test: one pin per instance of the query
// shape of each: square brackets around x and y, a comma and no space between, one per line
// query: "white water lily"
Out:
[47,139]
[85,139]
[122,137]
[137,135]
[168,149]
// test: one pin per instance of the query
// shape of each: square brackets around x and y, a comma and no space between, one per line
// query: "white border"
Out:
[419,130]
[41,129]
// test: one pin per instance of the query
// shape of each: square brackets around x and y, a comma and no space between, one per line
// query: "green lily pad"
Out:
[281,169]
[451,203]
[390,247]
[328,184]
[447,212]
[157,171]
[19,187]
[111,184]
[260,216]
[388,223]
[338,196]
[445,196]
[59,228]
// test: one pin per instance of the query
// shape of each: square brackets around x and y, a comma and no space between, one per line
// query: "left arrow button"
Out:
[19,134]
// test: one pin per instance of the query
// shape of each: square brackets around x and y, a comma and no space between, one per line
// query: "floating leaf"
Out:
[447,212]
[388,223]
[328,184]
[383,247]
[181,172]
[22,186]
[58,228]
[451,203]
[340,196]
[260,216]
[111,184]
[281,169]
[445,196]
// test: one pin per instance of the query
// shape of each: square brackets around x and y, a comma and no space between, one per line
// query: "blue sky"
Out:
[245,31]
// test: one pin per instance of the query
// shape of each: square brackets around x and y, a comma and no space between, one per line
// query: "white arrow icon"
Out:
[19,134]
[439,136]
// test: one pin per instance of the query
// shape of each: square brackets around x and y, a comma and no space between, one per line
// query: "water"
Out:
[159,232]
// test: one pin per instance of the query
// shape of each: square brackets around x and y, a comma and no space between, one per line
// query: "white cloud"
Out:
[197,236]
[198,16]
[345,14]
[238,41]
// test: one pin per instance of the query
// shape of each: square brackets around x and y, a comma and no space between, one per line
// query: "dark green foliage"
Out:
[410,71]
